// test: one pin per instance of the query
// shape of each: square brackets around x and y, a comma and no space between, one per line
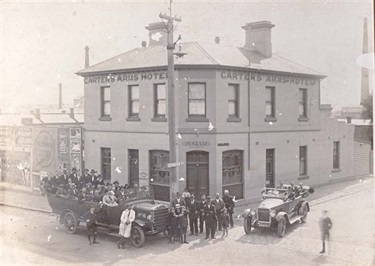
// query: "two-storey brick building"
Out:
[245,118]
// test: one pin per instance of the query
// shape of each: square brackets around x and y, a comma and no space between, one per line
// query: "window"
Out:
[336,155]
[105,101]
[160,101]
[159,174]
[303,160]
[302,103]
[133,167]
[134,101]
[270,102]
[197,100]
[106,163]
[270,167]
[232,173]
[233,111]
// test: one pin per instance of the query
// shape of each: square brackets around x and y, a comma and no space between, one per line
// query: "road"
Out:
[29,237]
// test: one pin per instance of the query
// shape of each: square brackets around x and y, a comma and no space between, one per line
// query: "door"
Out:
[270,168]
[197,173]
[133,167]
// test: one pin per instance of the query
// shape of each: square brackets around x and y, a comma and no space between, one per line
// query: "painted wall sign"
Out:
[271,79]
[196,144]
[44,149]
[127,77]
[223,144]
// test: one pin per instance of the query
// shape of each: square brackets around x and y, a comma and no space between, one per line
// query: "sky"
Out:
[42,43]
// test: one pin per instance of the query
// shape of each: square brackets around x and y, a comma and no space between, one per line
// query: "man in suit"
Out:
[90,218]
[219,205]
[193,215]
[86,178]
[63,179]
[210,218]
[201,214]
[229,204]
[178,200]
[325,225]
[74,176]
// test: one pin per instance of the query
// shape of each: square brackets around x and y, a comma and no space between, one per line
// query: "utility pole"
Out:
[173,180]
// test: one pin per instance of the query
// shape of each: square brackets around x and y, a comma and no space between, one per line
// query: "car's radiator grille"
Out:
[263,215]
[160,218]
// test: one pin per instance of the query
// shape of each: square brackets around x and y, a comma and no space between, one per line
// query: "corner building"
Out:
[245,118]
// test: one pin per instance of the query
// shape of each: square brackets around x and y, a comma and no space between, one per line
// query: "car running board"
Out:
[295,219]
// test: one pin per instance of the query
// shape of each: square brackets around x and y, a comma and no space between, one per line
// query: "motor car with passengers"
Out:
[278,208]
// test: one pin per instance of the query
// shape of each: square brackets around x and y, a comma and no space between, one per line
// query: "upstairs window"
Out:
[233,110]
[270,102]
[105,98]
[197,100]
[134,101]
[302,103]
[160,96]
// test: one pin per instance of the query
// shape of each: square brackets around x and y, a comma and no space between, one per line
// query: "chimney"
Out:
[157,34]
[37,113]
[60,96]
[365,72]
[217,40]
[258,37]
[87,59]
[349,119]
[144,44]
[71,113]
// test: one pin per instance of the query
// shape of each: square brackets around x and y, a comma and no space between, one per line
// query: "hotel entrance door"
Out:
[197,173]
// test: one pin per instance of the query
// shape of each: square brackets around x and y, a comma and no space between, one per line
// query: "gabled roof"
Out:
[198,53]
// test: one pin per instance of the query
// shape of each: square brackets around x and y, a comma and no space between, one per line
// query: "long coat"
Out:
[127,217]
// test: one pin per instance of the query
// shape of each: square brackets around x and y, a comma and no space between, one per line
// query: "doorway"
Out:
[270,168]
[197,173]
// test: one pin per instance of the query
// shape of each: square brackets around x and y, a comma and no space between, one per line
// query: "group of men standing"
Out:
[213,215]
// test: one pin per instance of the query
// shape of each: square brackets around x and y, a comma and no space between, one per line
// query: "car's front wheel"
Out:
[281,227]
[137,236]
[247,224]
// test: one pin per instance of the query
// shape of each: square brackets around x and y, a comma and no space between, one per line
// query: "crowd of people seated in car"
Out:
[89,187]
[288,192]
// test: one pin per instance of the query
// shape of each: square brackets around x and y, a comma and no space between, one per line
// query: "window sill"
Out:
[134,119]
[336,170]
[303,177]
[270,119]
[197,119]
[159,119]
[105,118]
[303,119]
[234,119]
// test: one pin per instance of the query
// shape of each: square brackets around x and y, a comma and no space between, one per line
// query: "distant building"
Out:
[245,118]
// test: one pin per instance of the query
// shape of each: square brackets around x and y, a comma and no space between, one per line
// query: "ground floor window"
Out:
[133,168]
[336,155]
[303,160]
[233,173]
[159,174]
[106,163]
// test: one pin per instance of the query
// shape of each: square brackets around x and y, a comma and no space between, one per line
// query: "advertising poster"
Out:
[63,145]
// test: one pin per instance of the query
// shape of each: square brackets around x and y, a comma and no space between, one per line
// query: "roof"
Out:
[198,53]
[48,119]
[358,122]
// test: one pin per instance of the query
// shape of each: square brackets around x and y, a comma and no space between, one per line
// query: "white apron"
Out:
[125,229]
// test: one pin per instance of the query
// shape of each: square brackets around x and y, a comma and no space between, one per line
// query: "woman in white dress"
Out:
[127,217]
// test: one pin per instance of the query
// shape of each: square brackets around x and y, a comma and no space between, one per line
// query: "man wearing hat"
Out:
[229,204]
[193,215]
[63,179]
[325,225]
[74,176]
[209,212]
[86,178]
[178,200]
[91,219]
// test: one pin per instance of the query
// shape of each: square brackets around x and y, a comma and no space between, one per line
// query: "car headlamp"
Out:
[252,212]
[149,217]
[273,213]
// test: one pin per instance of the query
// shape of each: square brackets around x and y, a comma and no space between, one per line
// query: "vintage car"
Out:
[278,209]
[151,216]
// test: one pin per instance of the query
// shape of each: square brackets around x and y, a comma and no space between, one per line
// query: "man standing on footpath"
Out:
[325,225]
[210,218]
[201,214]
[193,216]
[229,204]
[90,218]
[219,205]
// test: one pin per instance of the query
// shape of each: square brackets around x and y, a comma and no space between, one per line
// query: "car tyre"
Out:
[281,227]
[70,222]
[137,236]
[304,213]
[247,225]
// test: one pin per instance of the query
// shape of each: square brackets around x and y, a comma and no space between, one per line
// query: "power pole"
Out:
[173,180]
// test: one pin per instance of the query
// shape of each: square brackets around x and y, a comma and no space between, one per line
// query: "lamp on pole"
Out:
[173,180]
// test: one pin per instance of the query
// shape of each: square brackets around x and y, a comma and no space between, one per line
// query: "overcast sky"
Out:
[42,44]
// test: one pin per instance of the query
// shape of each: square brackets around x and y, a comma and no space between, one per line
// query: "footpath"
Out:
[21,197]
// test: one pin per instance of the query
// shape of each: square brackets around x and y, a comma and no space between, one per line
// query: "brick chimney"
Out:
[144,44]
[157,34]
[87,58]
[258,37]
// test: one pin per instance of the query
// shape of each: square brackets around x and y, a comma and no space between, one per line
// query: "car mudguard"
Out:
[140,223]
[280,215]
[246,213]
[305,203]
